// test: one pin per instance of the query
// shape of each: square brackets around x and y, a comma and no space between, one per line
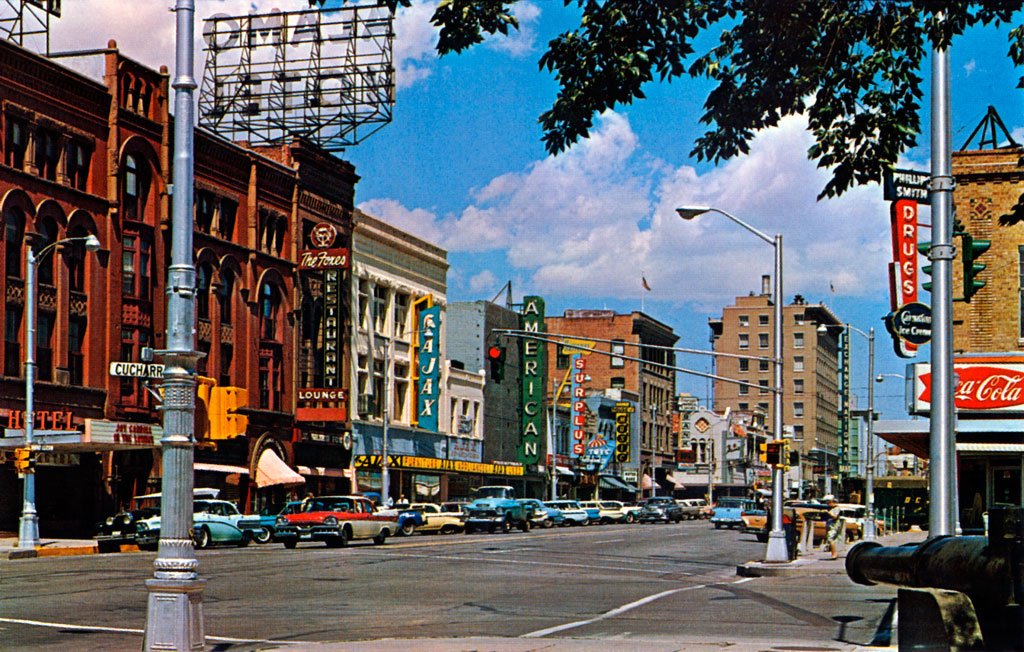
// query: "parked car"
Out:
[497,509]
[728,512]
[544,516]
[409,520]
[661,508]
[691,507]
[446,519]
[213,521]
[592,509]
[262,526]
[608,511]
[119,529]
[336,520]
[856,516]
[632,510]
[754,520]
[572,513]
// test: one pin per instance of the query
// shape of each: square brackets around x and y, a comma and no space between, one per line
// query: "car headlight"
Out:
[331,520]
[142,527]
[281,521]
[110,520]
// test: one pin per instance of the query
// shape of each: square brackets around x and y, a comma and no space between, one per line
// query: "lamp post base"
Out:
[28,531]
[777,551]
[175,615]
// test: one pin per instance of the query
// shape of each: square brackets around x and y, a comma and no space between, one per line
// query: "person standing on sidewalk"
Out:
[835,527]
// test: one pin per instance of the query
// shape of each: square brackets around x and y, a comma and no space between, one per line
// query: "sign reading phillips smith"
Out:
[532,382]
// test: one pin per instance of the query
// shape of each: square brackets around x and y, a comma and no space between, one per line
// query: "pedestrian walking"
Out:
[835,527]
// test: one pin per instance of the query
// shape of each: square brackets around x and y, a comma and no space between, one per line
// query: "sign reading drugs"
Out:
[532,381]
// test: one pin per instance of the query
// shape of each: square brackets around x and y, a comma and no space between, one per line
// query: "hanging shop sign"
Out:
[429,390]
[532,382]
[623,431]
[578,406]
[983,385]
[911,323]
[323,258]
[903,270]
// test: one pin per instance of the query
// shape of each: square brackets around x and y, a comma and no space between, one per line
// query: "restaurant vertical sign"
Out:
[428,390]
[532,381]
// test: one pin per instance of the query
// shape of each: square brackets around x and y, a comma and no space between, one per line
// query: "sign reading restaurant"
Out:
[329,263]
[532,381]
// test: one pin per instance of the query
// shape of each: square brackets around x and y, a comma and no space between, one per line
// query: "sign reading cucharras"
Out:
[137,369]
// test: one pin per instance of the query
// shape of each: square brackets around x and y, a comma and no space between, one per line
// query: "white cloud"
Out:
[419,222]
[485,280]
[521,42]
[415,43]
[970,66]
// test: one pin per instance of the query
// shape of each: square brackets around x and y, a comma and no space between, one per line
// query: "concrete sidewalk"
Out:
[817,562]
[47,548]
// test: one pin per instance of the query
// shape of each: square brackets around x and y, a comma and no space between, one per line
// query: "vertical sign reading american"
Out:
[532,382]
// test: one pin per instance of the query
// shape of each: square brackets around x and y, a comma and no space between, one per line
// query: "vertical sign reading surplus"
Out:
[532,382]
[426,403]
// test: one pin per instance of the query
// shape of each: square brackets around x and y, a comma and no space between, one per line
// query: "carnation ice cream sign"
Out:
[982,385]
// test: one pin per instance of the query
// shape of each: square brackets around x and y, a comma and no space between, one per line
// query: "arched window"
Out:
[134,188]
[14,229]
[75,257]
[270,304]
[203,275]
[47,236]
[226,295]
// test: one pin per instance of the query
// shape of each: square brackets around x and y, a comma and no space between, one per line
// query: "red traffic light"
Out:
[494,352]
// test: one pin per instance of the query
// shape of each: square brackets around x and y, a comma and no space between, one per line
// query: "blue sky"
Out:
[463,165]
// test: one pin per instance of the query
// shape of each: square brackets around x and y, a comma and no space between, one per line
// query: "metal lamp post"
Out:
[28,527]
[174,614]
[869,475]
[777,551]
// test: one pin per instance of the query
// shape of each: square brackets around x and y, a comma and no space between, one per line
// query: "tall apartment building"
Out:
[810,373]
[641,337]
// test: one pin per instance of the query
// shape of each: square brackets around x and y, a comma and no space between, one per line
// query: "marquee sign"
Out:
[532,381]
[984,385]
[428,368]
[623,431]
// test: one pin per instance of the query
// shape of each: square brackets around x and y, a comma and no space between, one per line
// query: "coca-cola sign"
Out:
[980,387]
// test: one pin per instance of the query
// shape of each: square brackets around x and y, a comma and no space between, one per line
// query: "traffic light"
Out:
[24,462]
[773,455]
[973,248]
[925,248]
[763,454]
[496,356]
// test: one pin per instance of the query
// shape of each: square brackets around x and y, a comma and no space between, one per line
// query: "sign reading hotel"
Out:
[984,385]
[428,362]
[532,382]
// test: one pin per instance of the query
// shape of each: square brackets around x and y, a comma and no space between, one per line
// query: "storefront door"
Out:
[1006,486]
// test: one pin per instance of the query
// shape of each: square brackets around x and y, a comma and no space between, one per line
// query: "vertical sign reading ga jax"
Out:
[532,381]
[426,403]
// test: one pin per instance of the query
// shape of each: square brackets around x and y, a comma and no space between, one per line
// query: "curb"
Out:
[799,567]
[60,551]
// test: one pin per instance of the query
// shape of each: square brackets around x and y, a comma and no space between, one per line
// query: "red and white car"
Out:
[336,520]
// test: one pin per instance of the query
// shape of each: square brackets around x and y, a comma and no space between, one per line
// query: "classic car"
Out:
[572,513]
[336,520]
[262,525]
[213,521]
[728,512]
[497,509]
[439,518]
[543,515]
[119,529]
[608,511]
[660,508]
[692,507]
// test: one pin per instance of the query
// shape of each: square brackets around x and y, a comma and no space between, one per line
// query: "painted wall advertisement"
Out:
[532,382]
[429,375]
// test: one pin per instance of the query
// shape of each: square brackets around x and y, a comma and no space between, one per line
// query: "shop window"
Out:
[14,228]
[16,143]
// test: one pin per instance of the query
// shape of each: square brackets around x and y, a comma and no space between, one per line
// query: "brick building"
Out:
[810,375]
[641,337]
[82,157]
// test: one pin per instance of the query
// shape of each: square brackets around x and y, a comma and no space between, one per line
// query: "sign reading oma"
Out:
[532,382]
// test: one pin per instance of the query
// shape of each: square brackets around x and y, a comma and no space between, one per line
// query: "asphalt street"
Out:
[621,582]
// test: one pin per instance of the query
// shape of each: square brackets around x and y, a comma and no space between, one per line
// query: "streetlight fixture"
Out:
[869,475]
[28,527]
[777,551]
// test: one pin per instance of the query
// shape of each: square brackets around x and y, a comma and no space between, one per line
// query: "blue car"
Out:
[543,515]
[262,526]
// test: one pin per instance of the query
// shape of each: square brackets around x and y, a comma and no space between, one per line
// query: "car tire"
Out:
[585,521]
[407,529]
[630,518]
[506,526]
[263,535]
[201,537]
[339,541]
[246,539]
[381,538]
[526,526]
[290,543]
[447,529]
[548,523]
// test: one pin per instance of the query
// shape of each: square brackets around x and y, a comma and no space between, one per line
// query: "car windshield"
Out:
[731,503]
[329,505]
[493,492]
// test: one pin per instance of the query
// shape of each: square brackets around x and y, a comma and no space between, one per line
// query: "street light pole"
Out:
[777,550]
[28,527]
[654,447]
[385,480]
[174,616]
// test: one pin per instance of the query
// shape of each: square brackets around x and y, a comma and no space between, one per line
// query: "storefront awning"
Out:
[645,483]
[975,447]
[913,435]
[677,483]
[271,470]
[564,470]
[611,482]
[325,472]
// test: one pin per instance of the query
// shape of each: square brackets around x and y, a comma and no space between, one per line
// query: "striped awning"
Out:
[976,447]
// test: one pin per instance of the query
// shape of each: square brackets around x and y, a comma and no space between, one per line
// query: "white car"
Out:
[571,511]
[213,521]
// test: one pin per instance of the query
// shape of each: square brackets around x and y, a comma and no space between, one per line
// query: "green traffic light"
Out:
[972,249]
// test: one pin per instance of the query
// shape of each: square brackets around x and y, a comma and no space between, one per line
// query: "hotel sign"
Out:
[532,381]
